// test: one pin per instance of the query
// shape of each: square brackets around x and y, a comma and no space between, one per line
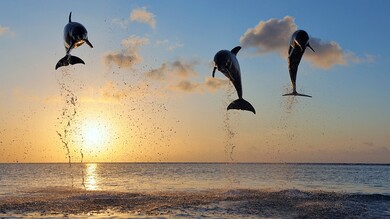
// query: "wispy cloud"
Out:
[4,30]
[169,46]
[186,86]
[123,23]
[180,76]
[110,91]
[274,35]
[129,56]
[140,15]
[173,70]
[143,16]
[214,84]
[208,85]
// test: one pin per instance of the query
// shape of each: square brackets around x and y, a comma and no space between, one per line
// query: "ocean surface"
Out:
[194,190]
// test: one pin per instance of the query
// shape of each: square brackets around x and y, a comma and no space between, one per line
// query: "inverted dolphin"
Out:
[75,35]
[298,43]
[227,63]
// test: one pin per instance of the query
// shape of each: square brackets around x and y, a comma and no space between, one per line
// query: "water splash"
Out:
[288,124]
[288,102]
[67,128]
[82,169]
[227,126]
[142,106]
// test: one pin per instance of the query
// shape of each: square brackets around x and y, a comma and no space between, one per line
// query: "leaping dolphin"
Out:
[227,63]
[75,35]
[298,43]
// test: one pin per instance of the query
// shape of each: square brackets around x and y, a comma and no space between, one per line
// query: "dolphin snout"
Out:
[215,68]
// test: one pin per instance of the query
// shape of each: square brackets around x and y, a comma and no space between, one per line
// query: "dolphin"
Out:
[227,63]
[298,43]
[75,35]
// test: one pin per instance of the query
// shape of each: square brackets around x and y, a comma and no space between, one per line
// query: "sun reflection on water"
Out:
[91,182]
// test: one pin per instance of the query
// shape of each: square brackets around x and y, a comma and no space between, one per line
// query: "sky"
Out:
[145,93]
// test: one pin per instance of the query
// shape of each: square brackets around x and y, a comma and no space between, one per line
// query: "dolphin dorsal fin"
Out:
[235,50]
[70,17]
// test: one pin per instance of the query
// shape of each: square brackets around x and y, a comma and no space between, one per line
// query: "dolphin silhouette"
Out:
[298,43]
[227,63]
[75,35]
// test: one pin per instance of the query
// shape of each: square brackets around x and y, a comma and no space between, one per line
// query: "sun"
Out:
[96,134]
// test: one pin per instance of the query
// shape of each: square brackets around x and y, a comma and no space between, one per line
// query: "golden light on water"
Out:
[91,177]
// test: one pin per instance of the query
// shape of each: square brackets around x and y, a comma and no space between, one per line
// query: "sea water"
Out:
[194,190]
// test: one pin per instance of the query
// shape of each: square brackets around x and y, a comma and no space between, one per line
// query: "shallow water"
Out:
[194,190]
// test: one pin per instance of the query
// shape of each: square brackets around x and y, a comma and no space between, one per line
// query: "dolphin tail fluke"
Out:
[69,60]
[296,94]
[75,60]
[63,62]
[241,104]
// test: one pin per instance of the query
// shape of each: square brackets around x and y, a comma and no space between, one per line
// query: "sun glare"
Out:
[95,135]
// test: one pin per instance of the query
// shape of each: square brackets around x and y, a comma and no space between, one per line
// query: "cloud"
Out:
[214,84]
[269,36]
[120,22]
[129,56]
[169,46]
[172,70]
[184,69]
[143,16]
[110,91]
[327,54]
[137,15]
[186,86]
[208,85]
[274,35]
[4,30]
[180,75]
[158,74]
[134,41]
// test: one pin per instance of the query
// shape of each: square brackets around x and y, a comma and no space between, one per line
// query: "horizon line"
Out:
[202,162]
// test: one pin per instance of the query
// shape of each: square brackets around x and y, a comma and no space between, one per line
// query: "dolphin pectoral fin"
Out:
[215,68]
[235,50]
[308,45]
[89,43]
[296,94]
[241,104]
[69,60]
